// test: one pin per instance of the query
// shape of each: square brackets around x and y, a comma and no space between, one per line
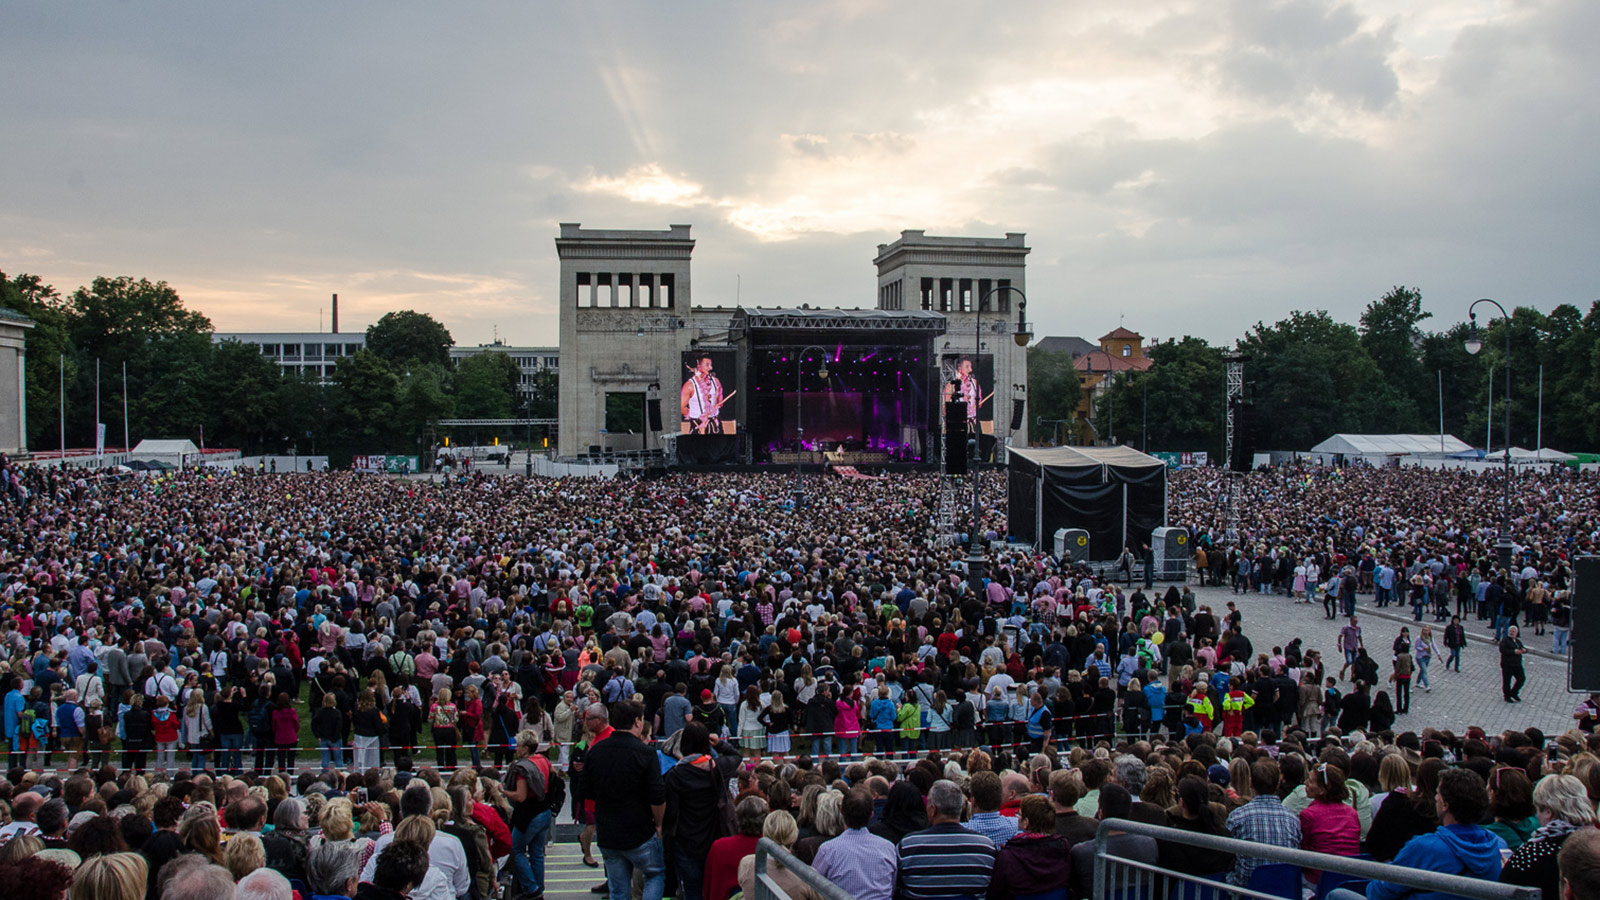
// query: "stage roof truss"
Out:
[844,320]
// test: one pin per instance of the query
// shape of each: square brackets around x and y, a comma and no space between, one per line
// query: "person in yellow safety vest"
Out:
[1200,707]
[1233,707]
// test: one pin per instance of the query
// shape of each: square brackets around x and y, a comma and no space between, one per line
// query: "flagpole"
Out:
[99,445]
[63,405]
[125,446]
[1538,438]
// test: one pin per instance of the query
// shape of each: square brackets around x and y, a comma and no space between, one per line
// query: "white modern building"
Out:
[310,353]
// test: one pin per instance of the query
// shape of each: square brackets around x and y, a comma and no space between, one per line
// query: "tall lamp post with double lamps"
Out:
[799,411]
[976,562]
[1503,546]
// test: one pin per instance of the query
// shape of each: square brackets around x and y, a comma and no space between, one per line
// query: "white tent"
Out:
[1376,447]
[1542,455]
[174,452]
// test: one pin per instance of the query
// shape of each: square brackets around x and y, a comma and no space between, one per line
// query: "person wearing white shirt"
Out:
[445,853]
[162,683]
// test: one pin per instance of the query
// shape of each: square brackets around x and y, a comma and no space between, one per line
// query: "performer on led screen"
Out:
[964,387]
[701,400]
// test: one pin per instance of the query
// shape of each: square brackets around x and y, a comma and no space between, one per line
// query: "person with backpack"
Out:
[699,807]
[537,794]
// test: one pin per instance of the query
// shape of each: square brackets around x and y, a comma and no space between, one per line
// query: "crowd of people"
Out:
[383,664]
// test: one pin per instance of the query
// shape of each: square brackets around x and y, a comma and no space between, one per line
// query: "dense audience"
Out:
[195,658]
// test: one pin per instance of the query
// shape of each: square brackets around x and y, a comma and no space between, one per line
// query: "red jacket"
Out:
[165,731]
[499,832]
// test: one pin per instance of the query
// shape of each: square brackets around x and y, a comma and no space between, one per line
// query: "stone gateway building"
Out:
[642,368]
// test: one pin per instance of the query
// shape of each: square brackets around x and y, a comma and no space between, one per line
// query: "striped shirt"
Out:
[944,861]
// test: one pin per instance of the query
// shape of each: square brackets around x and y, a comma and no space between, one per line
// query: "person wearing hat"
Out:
[709,713]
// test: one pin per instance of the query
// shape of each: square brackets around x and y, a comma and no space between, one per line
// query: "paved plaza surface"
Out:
[1471,697]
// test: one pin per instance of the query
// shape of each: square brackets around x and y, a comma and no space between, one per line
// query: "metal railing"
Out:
[766,888]
[1121,878]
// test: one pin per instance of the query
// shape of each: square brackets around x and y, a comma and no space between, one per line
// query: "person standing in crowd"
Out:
[1455,640]
[1512,674]
[531,787]
[622,776]
[697,796]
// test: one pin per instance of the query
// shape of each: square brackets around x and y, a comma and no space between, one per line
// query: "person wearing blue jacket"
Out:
[1458,847]
[1155,695]
[14,705]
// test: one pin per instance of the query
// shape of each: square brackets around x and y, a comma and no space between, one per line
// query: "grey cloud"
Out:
[1284,52]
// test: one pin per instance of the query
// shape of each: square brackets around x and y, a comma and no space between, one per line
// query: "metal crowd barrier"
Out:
[1119,878]
[767,889]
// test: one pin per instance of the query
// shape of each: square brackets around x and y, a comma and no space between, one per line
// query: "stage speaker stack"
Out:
[653,407]
[1172,553]
[1072,545]
[955,438]
[1583,653]
[1016,413]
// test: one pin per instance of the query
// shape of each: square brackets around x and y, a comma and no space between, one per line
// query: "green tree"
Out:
[112,315]
[165,346]
[405,337]
[544,400]
[1304,377]
[1184,388]
[424,399]
[365,396]
[242,398]
[486,386]
[1053,394]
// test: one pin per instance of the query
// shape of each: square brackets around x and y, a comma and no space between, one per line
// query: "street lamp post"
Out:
[976,563]
[1503,546]
[799,423]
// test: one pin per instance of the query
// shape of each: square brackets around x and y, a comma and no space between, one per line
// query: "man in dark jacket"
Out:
[624,778]
[697,798]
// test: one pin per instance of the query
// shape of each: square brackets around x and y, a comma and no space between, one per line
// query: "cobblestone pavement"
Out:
[1471,697]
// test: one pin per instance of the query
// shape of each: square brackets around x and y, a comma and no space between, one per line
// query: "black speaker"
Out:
[1016,413]
[1244,445]
[653,407]
[955,438]
[1583,652]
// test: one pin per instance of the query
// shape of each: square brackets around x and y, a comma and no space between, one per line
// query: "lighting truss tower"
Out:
[1235,363]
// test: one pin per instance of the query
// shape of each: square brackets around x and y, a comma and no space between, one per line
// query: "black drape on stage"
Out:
[708,449]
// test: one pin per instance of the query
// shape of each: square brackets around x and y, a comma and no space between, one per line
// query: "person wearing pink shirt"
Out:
[1329,824]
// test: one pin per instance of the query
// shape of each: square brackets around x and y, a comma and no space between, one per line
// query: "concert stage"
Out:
[877,403]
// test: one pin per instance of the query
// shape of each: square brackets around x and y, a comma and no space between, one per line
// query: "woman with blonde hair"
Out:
[726,692]
[20,848]
[420,830]
[111,876]
[1562,805]
[338,826]
[781,828]
[244,854]
[828,823]
[200,833]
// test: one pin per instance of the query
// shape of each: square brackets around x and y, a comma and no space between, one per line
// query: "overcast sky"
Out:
[1191,166]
